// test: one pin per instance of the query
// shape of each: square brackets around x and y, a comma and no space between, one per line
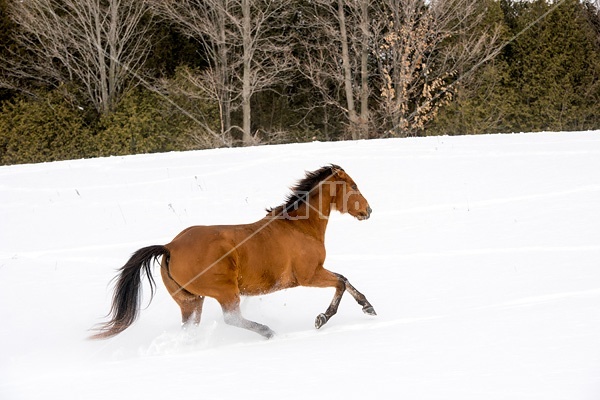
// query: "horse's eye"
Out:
[354,187]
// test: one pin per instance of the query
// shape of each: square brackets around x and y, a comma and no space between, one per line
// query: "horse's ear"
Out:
[338,171]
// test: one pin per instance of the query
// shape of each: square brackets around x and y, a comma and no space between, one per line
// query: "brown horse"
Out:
[283,250]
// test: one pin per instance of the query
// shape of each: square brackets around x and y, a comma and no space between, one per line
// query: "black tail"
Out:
[125,305]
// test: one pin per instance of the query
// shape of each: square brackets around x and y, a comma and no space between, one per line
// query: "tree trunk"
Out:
[225,94]
[364,71]
[113,65]
[246,77]
[103,95]
[347,72]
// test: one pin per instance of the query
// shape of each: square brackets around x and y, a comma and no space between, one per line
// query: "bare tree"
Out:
[207,23]
[427,48]
[99,45]
[394,61]
[337,46]
[246,50]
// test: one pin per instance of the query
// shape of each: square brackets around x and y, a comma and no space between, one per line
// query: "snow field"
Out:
[481,258]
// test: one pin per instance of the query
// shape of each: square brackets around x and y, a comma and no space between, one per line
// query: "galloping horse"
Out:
[283,250]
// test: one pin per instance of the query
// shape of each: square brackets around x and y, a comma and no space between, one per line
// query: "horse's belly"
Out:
[264,280]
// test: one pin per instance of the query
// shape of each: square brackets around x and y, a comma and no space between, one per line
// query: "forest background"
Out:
[90,78]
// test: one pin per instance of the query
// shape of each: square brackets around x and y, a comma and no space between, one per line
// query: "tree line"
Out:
[85,78]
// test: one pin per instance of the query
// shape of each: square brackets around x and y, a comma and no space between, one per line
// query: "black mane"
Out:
[302,189]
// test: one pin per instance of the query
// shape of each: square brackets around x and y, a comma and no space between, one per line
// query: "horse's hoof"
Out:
[369,310]
[267,333]
[320,320]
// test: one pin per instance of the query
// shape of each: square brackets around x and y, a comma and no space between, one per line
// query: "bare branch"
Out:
[99,45]
[245,48]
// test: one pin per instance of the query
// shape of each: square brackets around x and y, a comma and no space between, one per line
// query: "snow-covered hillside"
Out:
[482,259]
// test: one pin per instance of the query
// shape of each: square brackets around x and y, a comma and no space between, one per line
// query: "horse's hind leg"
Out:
[190,304]
[191,309]
[233,316]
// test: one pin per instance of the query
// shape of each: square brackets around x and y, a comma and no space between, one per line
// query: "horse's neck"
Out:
[317,216]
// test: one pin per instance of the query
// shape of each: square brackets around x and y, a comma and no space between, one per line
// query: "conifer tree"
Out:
[546,78]
[555,68]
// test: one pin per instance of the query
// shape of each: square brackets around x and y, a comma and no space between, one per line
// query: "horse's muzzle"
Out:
[364,214]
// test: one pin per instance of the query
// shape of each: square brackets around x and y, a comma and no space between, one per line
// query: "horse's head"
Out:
[348,198]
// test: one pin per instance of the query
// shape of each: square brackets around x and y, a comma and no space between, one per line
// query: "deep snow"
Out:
[482,259]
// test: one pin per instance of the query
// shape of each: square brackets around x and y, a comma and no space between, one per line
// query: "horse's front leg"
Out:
[359,297]
[326,278]
[322,319]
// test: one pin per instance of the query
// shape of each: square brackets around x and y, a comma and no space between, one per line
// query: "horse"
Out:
[283,250]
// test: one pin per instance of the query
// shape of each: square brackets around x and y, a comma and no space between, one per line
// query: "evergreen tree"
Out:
[546,78]
[47,128]
[554,67]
